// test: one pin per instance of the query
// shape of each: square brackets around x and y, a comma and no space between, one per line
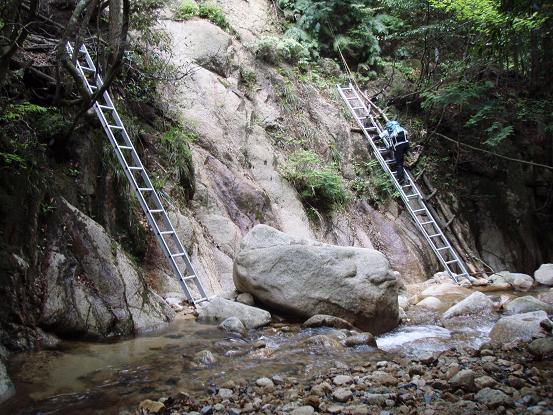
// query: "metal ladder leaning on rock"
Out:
[148,198]
[367,118]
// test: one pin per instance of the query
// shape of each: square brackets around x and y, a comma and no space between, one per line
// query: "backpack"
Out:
[396,133]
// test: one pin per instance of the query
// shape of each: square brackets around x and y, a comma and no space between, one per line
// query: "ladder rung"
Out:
[145,189]
[190,277]
[426,223]
[117,127]
[419,210]
[166,232]
[442,248]
[412,196]
[86,68]
[92,86]
[125,147]
[199,300]
[357,108]
[436,234]
[155,210]
[371,128]
[451,262]
[407,185]
[135,168]
[106,107]
[177,255]
[390,161]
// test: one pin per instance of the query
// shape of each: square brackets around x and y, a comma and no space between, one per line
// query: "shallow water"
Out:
[94,378]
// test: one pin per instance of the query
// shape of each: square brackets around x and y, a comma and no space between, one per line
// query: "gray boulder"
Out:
[304,278]
[6,386]
[518,281]
[493,398]
[476,303]
[217,310]
[544,274]
[519,327]
[527,304]
[245,298]
[92,287]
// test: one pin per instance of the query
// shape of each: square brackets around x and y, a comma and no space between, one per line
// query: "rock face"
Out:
[518,327]
[304,278]
[92,287]
[544,274]
[476,303]
[6,386]
[218,310]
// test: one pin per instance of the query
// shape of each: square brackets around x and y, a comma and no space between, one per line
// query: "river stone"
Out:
[496,283]
[151,407]
[544,274]
[342,395]
[265,383]
[217,310]
[303,278]
[225,393]
[476,303]
[321,320]
[7,390]
[360,339]
[342,380]
[520,282]
[542,348]
[464,379]
[431,303]
[233,325]
[303,410]
[447,291]
[484,382]
[493,398]
[203,358]
[518,327]
[91,286]
[246,298]
[322,342]
[527,304]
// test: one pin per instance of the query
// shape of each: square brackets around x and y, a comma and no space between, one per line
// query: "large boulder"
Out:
[526,304]
[218,310]
[544,274]
[304,278]
[518,281]
[476,303]
[446,292]
[519,327]
[92,287]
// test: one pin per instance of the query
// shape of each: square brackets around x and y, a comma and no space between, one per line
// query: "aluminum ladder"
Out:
[367,118]
[140,181]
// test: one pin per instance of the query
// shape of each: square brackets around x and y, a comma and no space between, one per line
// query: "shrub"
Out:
[214,14]
[318,183]
[276,50]
[187,9]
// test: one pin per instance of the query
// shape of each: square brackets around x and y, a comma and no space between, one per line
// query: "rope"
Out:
[531,163]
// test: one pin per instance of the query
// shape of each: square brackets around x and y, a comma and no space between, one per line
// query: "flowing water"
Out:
[93,378]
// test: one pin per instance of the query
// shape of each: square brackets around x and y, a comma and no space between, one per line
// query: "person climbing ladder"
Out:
[395,137]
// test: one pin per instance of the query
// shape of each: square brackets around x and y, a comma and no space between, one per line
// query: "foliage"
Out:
[187,9]
[214,14]
[372,182]
[276,50]
[318,183]
[177,157]
[328,26]
[248,78]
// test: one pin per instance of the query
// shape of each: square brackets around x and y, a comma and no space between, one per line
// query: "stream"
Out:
[113,377]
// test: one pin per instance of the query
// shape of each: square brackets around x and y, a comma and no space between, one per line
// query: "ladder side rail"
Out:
[151,220]
[387,169]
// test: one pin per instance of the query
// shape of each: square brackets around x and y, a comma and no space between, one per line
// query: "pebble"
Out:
[265,383]
[342,380]
[303,410]
[225,393]
[152,407]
